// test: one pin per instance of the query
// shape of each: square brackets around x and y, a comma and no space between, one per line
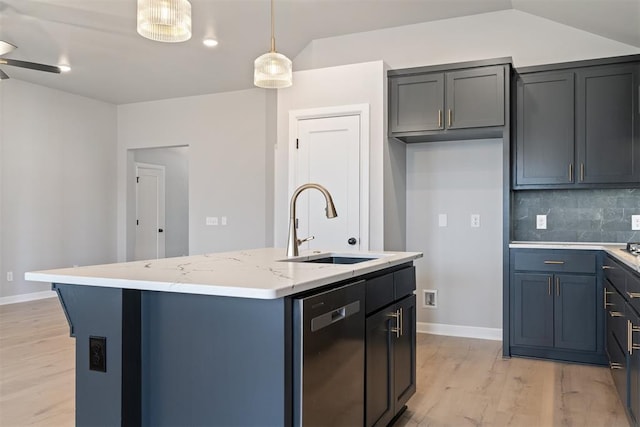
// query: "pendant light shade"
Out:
[272,70]
[164,20]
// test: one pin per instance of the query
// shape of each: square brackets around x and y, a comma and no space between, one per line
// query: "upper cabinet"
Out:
[607,124]
[465,102]
[578,127]
[544,129]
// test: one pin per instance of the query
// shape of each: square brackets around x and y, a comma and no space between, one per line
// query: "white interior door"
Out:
[328,153]
[150,212]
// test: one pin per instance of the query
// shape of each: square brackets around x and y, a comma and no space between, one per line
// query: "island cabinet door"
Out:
[379,352]
[533,310]
[575,312]
[404,353]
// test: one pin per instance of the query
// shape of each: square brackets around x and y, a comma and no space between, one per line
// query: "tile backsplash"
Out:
[576,215]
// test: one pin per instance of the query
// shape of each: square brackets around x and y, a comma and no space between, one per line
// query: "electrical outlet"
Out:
[635,222]
[9,276]
[541,222]
[430,298]
[442,220]
[212,220]
[475,220]
[98,354]
[223,220]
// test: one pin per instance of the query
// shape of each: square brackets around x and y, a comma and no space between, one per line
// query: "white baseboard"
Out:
[494,334]
[13,299]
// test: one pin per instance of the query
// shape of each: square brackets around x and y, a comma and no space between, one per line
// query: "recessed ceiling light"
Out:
[64,68]
[210,42]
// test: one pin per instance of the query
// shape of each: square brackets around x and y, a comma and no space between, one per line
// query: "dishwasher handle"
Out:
[333,316]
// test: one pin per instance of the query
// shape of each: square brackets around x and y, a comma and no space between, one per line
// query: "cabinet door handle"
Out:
[581,172]
[615,314]
[440,119]
[608,267]
[633,295]
[570,172]
[606,304]
[629,337]
[554,262]
[401,322]
[450,117]
[549,281]
[557,287]
[615,365]
[396,315]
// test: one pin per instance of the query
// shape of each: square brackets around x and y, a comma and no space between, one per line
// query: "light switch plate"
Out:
[635,222]
[541,222]
[475,220]
[442,220]
[212,220]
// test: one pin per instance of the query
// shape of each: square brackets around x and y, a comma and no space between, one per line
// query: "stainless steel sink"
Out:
[336,260]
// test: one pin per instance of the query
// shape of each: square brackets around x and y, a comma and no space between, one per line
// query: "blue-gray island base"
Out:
[155,358]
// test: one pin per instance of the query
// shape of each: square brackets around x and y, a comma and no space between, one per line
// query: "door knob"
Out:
[352,241]
[160,230]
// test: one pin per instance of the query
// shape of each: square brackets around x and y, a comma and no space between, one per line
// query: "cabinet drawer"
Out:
[561,261]
[633,290]
[404,282]
[379,292]
[615,274]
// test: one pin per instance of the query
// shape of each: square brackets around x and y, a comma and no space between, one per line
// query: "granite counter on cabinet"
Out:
[205,339]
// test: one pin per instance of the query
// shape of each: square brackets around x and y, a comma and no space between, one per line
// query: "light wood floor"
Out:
[461,382]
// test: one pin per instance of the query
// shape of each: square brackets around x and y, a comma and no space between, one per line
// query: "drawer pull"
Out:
[615,365]
[633,295]
[615,314]
[554,262]
[608,267]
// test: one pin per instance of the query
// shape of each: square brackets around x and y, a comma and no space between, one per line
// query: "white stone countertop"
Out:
[613,249]
[256,273]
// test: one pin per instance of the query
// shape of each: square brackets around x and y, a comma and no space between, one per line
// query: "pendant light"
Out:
[272,70]
[164,20]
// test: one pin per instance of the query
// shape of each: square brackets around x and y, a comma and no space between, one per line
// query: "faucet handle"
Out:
[306,239]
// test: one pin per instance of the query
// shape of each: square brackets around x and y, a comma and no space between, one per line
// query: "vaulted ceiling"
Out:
[111,62]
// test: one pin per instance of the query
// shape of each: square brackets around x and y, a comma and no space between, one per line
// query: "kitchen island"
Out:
[211,339]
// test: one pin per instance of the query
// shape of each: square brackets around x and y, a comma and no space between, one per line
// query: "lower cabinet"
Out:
[554,306]
[622,292]
[390,354]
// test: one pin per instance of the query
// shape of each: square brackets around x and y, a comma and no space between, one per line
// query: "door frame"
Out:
[361,110]
[161,204]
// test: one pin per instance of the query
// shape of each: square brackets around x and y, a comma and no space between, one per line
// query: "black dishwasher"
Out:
[328,340]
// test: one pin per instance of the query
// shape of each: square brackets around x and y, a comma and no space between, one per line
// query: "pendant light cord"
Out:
[273,38]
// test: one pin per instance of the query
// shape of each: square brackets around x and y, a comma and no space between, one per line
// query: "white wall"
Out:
[329,87]
[57,197]
[227,135]
[176,229]
[528,39]
[464,264]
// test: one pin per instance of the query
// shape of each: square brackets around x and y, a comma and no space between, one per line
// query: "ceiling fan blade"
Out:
[3,75]
[5,47]
[30,65]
